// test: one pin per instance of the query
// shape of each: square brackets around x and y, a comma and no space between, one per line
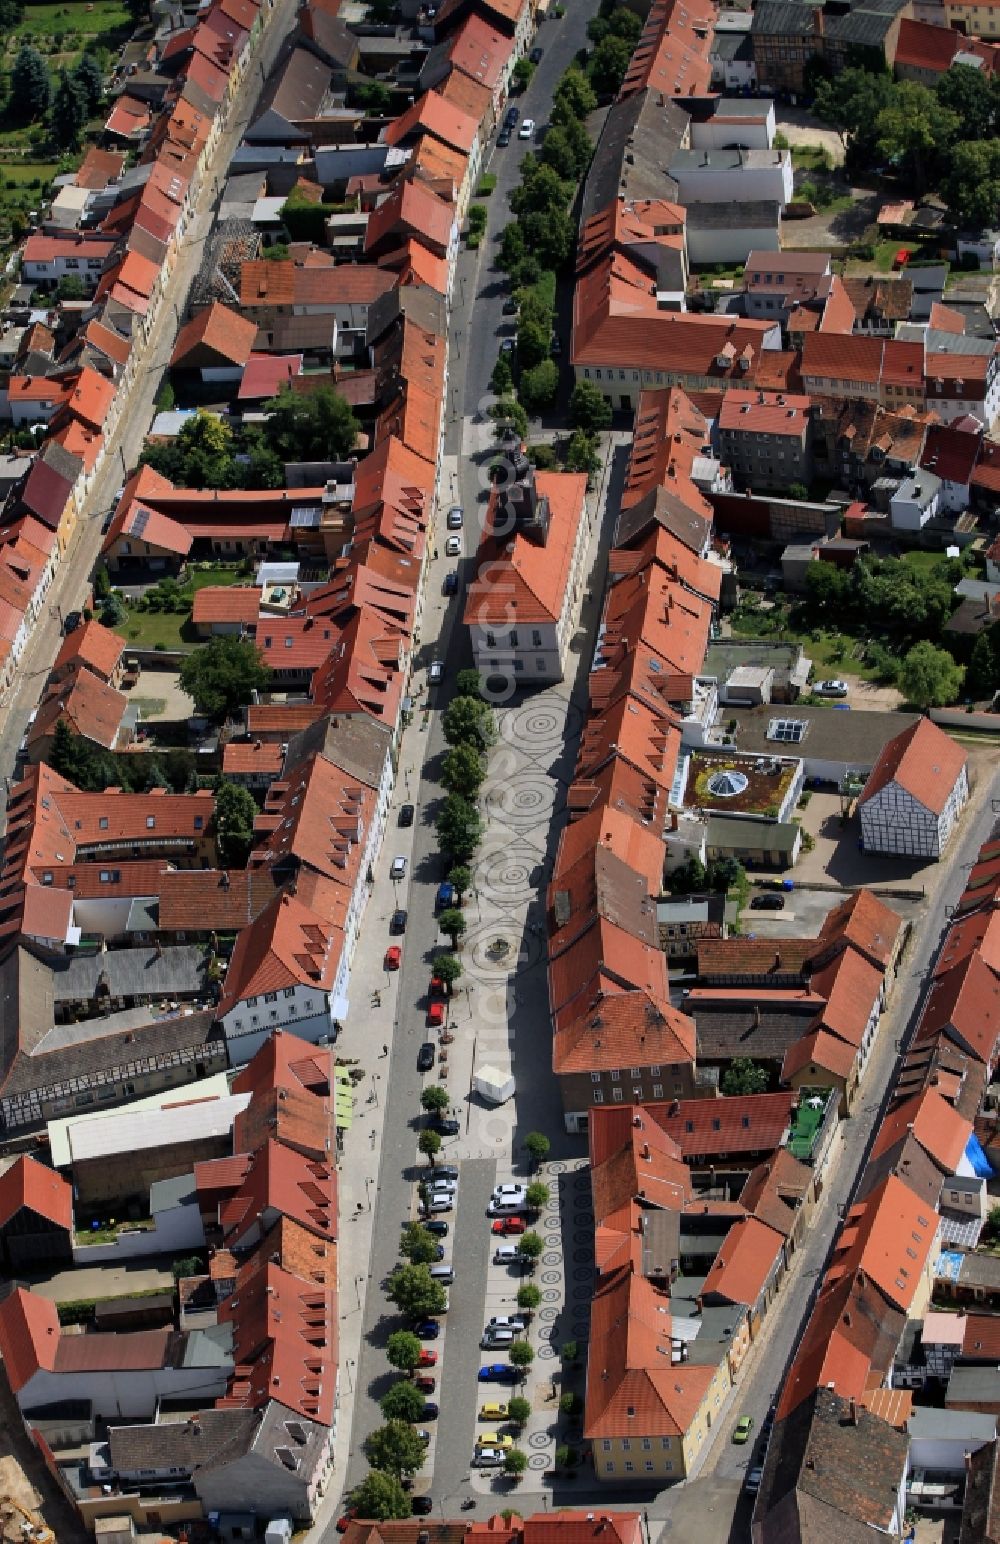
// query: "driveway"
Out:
[836,228]
[801,128]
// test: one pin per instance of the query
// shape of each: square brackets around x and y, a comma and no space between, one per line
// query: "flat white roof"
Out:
[214,1087]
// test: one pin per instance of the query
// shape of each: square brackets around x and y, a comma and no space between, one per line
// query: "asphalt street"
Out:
[70,583]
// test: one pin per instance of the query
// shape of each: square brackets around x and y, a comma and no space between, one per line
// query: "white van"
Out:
[497,1340]
[445,1273]
[505,1254]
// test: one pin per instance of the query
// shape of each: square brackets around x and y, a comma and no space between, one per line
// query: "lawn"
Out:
[45,21]
[172,629]
[832,653]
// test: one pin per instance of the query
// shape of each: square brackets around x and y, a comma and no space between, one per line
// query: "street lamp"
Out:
[349,1367]
[357,1290]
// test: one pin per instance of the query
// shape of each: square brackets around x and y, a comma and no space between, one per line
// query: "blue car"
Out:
[451,583]
[445,895]
[498,1372]
[428,1329]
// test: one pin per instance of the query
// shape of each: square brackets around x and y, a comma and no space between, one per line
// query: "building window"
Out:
[150,822]
[595,1077]
[491,641]
[626,1444]
[103,822]
[598,1096]
[513,637]
[637,1072]
[199,821]
[629,1467]
[270,997]
[609,1468]
[536,638]
[616,1094]
[615,1074]
[289,991]
[606,1445]
[657,1090]
[649,1466]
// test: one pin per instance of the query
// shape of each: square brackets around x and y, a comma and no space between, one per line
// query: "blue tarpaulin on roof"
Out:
[981,1166]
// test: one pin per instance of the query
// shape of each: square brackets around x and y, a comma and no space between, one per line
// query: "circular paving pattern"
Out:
[551,1276]
[538,1439]
[555,1239]
[550,1294]
[552,1258]
[534,727]
[548,1313]
[504,876]
[524,805]
[582,1236]
[546,1332]
[581,1256]
[581,1292]
[556,1168]
[546,1351]
[538,1461]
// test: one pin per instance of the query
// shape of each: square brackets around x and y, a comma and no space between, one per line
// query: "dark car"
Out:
[72,621]
[428,1329]
[421,1506]
[503,139]
[451,583]
[397,922]
[435,1225]
[536,54]
[406,813]
[768,903]
[499,1372]
[445,1126]
[510,306]
[425,1057]
[510,117]
[429,1412]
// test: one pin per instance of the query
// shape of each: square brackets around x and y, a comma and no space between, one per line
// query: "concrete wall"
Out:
[178,1229]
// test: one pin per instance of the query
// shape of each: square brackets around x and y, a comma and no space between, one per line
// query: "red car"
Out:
[427,1359]
[435,1014]
[343,1523]
[426,1383]
[393,956]
[437,987]
[505,1225]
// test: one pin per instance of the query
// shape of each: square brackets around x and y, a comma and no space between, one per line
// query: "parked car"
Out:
[511,116]
[393,957]
[742,1430]
[423,1434]
[488,1458]
[833,688]
[446,1126]
[451,583]
[435,1225]
[406,813]
[752,1482]
[496,1340]
[509,1192]
[446,1171]
[453,546]
[429,1412]
[493,1411]
[398,870]
[397,922]
[421,1506]
[428,1329]
[768,903]
[498,1372]
[442,1183]
[510,306]
[506,1254]
[427,1358]
[555,345]
[507,346]
[72,621]
[437,987]
[425,1382]
[507,1225]
[507,1322]
[456,517]
[503,139]
[445,895]
[536,54]
[435,671]
[527,129]
[494,1439]
[435,1015]
[438,1203]
[425,1057]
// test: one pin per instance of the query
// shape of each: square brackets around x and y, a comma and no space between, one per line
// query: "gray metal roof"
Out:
[639,138]
[830,735]
[131,973]
[757,214]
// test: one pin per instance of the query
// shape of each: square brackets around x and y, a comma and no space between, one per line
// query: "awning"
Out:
[343,1099]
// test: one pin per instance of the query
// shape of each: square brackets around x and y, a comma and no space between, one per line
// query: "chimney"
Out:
[853,1415]
[756,1015]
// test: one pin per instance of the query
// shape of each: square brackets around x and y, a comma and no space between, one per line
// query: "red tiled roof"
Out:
[753,412]
[935,1124]
[888,1237]
[266,374]
[623,1029]
[964,1004]
[414,207]
[99,167]
[852,987]
[217,331]
[741,1268]
[226,603]
[29,1336]
[864,922]
[748,1123]
[285,946]
[87,704]
[195,900]
[92,645]
[923,761]
[856,358]
[819,1050]
[480,51]
[518,579]
[922,46]
[432,114]
[281,1180]
[28,1183]
[249,756]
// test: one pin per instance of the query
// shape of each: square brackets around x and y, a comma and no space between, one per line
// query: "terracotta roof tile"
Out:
[740,1270]
[198,900]
[748,1123]
[517,577]
[29,1184]
[29,1336]
[889,1238]
[214,333]
[92,645]
[286,945]
[923,761]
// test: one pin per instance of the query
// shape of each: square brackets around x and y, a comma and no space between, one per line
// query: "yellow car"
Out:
[493,1439]
[493,1412]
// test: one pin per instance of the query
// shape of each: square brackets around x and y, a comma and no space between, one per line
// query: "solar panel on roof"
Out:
[304,517]
[790,730]
[140,522]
